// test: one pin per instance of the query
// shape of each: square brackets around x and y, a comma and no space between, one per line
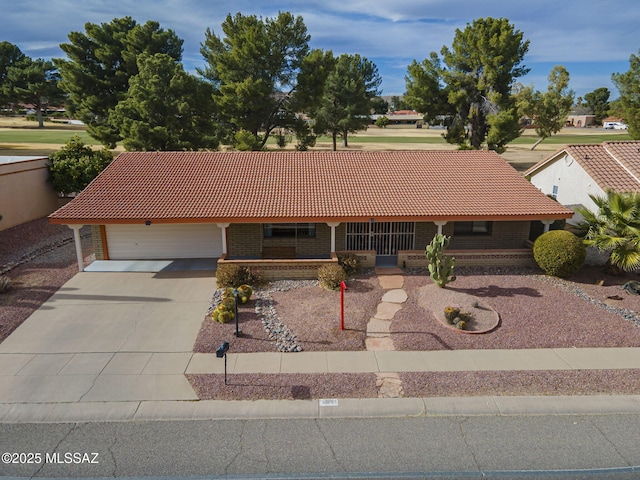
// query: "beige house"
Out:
[25,193]
[287,213]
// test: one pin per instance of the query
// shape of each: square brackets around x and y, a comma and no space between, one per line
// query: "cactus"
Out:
[440,266]
[450,313]
[244,293]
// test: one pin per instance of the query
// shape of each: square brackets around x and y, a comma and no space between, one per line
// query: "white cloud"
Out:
[390,33]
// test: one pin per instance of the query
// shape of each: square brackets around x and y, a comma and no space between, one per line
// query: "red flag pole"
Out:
[343,287]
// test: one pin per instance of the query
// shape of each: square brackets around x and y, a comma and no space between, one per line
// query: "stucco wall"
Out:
[25,193]
[574,183]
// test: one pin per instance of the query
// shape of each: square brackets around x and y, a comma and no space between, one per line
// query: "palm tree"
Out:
[615,228]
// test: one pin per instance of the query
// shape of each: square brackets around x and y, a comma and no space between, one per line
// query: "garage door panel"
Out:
[162,241]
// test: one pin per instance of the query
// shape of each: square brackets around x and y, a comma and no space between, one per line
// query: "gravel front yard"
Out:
[38,258]
[535,312]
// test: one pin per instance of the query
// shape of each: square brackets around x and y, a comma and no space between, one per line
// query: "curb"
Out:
[319,408]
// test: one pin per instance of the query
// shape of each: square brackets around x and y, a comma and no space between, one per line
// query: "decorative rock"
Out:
[389,385]
[380,344]
[285,340]
[377,327]
[395,296]
[386,310]
[391,281]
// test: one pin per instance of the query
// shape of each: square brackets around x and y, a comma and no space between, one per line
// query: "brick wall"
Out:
[244,240]
[425,231]
[503,235]
[367,258]
[520,257]
[96,240]
[247,240]
[283,269]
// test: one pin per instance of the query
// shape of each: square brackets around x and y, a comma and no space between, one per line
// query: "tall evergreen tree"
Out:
[10,55]
[598,102]
[628,85]
[346,102]
[477,74]
[254,68]
[165,109]
[34,82]
[99,64]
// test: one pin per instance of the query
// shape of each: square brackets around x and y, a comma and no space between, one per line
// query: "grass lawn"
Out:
[42,135]
[20,137]
[567,139]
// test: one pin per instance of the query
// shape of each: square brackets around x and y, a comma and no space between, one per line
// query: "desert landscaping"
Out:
[589,309]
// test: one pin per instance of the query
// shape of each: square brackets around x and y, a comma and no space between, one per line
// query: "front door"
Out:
[386,238]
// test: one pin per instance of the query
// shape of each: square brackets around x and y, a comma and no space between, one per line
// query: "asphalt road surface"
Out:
[536,446]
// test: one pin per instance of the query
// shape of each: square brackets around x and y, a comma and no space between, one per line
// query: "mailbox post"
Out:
[238,332]
[222,353]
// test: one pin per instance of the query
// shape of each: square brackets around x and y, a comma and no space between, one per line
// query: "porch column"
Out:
[547,224]
[333,226]
[78,243]
[223,227]
[440,224]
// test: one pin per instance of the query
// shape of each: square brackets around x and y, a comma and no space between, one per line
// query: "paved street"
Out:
[482,446]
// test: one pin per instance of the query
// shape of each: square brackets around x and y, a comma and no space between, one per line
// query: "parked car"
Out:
[615,126]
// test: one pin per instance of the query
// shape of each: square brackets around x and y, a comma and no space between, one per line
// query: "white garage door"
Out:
[162,241]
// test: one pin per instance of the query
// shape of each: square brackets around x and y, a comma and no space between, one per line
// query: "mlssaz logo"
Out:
[71,457]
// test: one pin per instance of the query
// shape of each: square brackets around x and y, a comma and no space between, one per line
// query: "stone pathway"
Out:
[378,334]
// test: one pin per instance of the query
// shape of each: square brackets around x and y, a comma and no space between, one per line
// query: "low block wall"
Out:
[282,269]
[521,257]
[25,193]
[367,258]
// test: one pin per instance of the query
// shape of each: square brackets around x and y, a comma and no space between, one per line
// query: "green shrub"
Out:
[232,275]
[330,276]
[559,253]
[349,262]
[461,325]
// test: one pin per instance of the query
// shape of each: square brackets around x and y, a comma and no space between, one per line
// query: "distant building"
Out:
[580,121]
[402,118]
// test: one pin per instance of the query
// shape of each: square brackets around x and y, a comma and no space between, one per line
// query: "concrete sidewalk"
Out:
[151,386]
[422,361]
[117,346]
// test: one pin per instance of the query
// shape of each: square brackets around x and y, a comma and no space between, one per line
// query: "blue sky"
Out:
[592,38]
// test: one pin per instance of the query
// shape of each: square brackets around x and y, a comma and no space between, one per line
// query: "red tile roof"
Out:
[612,165]
[295,186]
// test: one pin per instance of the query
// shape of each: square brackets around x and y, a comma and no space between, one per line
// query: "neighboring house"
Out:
[287,213]
[25,193]
[573,173]
[402,118]
[580,121]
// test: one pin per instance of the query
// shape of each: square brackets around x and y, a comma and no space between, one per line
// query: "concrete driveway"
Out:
[108,337]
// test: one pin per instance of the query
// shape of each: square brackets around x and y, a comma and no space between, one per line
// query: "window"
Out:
[554,194]
[472,228]
[289,230]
